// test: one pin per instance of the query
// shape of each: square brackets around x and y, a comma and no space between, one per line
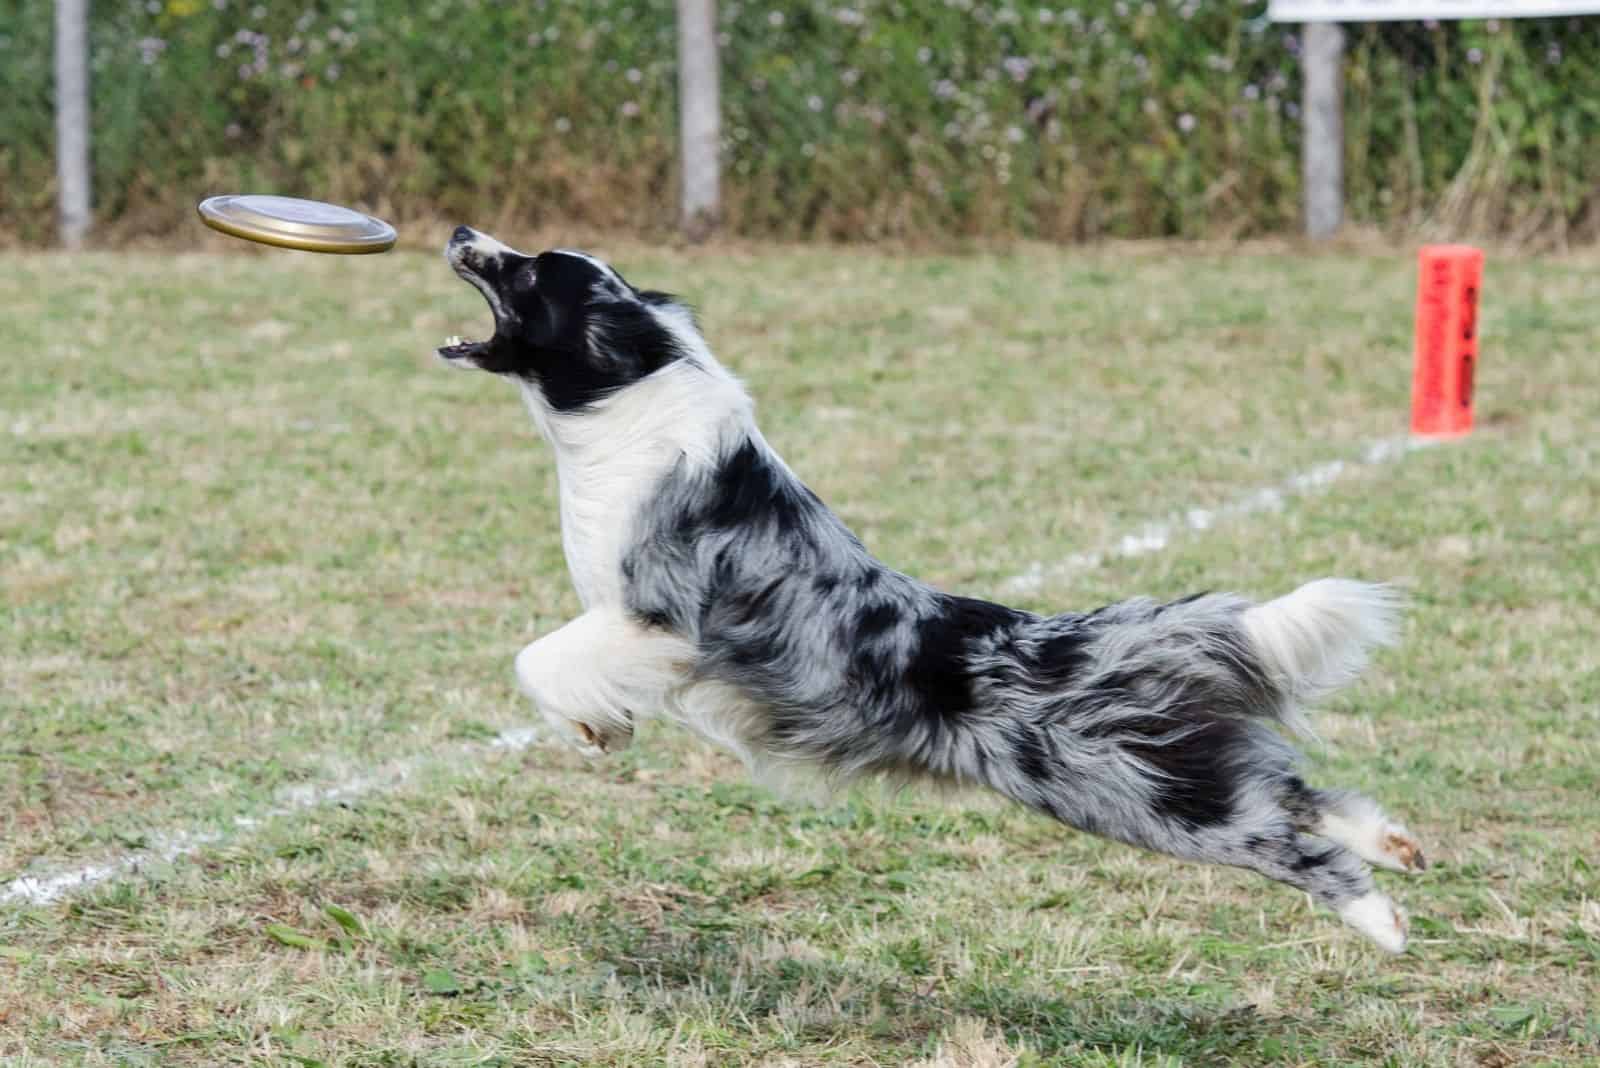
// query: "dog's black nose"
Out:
[461,235]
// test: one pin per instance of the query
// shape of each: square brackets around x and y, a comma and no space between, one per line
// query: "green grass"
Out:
[253,539]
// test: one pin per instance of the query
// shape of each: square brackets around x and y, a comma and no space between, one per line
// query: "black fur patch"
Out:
[749,488]
[1029,751]
[938,675]
[1195,766]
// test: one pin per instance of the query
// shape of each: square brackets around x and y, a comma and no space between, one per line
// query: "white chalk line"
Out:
[44,888]
[1155,536]
[165,847]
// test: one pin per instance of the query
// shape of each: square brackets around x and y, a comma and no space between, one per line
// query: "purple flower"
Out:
[1186,122]
[1474,55]
[1018,67]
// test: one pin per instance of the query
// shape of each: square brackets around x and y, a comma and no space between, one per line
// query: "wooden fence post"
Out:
[699,117]
[72,120]
[1322,118]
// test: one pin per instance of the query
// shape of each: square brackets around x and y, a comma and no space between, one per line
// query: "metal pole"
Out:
[1322,150]
[72,120]
[699,117]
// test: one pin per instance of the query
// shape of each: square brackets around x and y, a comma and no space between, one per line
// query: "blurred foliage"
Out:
[843,118]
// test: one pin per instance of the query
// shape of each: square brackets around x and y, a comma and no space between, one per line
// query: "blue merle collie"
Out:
[721,594]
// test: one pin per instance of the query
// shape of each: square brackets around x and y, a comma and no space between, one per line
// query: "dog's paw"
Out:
[1361,827]
[1398,850]
[588,741]
[1380,919]
[594,742]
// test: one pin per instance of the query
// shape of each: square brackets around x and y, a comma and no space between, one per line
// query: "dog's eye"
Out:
[525,279]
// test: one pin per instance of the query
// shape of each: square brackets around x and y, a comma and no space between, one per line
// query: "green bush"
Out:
[843,118]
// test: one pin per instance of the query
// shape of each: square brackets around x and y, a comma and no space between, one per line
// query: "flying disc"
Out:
[290,222]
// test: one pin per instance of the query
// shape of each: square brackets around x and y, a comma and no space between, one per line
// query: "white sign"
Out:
[1393,10]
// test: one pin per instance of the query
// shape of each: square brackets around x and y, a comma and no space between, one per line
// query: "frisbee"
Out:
[289,222]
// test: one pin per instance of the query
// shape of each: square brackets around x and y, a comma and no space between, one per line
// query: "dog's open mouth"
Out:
[478,260]
[455,349]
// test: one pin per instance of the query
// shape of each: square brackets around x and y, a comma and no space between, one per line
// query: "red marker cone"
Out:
[1449,278]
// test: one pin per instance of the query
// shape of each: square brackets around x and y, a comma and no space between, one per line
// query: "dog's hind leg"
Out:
[1222,791]
[591,677]
[1329,872]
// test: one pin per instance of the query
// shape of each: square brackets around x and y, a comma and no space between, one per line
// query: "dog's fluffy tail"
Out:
[1319,638]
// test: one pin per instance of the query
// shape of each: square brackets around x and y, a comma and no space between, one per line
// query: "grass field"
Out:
[264,566]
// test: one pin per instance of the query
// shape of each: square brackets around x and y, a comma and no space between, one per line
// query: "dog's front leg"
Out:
[594,675]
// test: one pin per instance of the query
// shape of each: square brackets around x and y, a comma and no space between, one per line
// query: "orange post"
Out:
[1449,278]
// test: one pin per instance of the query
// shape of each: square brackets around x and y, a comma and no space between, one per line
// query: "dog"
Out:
[720,593]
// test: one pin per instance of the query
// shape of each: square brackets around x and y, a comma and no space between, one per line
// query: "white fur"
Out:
[1358,824]
[610,456]
[1375,916]
[1319,637]
[485,247]
[598,671]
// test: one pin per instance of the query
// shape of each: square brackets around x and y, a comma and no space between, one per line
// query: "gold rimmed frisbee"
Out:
[290,222]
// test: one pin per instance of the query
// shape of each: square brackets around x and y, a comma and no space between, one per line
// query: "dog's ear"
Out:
[628,333]
[657,299]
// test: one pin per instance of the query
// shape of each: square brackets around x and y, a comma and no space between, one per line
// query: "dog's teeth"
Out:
[452,341]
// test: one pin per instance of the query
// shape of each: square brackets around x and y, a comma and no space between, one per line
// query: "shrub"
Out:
[842,118]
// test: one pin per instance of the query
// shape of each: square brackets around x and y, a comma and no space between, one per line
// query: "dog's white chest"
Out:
[597,512]
[613,458]
[602,492]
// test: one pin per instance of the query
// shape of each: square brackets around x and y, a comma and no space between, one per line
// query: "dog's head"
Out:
[564,321]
